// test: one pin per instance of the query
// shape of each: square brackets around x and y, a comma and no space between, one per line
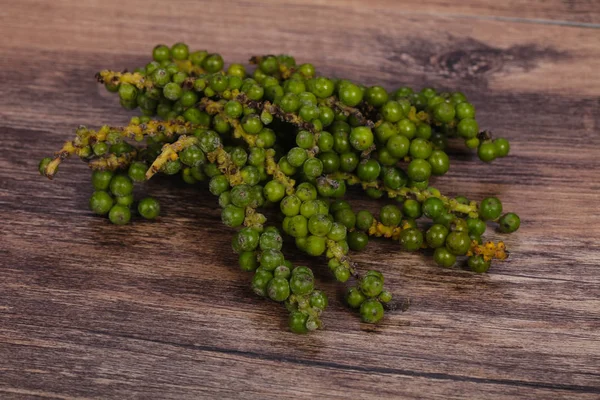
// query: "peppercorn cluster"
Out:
[289,139]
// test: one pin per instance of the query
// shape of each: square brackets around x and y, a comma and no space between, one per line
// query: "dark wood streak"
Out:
[160,310]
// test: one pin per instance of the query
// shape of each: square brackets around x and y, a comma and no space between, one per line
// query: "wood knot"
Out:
[464,64]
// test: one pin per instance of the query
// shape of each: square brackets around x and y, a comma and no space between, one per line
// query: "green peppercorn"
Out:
[390,215]
[245,240]
[101,202]
[458,243]
[371,285]
[364,220]
[443,257]
[149,208]
[271,259]
[478,264]
[350,94]
[371,311]
[260,281]
[119,214]
[501,147]
[315,245]
[476,226]
[297,322]
[357,240]
[247,261]
[301,283]
[490,208]
[361,138]
[101,179]
[278,289]
[411,239]
[433,207]
[355,297]
[509,223]
[121,185]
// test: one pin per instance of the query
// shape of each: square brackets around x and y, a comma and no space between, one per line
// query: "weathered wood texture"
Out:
[159,310]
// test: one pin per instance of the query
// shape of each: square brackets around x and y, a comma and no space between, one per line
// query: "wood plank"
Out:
[159,310]
[584,13]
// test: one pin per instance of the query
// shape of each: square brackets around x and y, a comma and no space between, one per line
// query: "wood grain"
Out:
[159,310]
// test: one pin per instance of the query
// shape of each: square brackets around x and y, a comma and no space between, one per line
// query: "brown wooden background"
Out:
[160,310]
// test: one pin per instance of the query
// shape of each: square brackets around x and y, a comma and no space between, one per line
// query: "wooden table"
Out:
[161,311]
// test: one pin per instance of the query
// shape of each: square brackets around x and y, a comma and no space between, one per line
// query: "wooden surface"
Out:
[160,310]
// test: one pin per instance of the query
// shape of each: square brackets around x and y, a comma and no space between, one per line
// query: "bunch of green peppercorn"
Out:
[287,138]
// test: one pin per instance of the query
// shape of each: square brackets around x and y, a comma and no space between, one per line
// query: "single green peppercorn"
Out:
[443,257]
[278,289]
[247,261]
[436,236]
[315,245]
[100,202]
[420,148]
[260,281]
[298,226]
[172,91]
[355,297]
[371,285]
[468,128]
[345,217]
[458,243]
[412,208]
[433,207]
[411,239]
[313,167]
[478,264]
[357,240]
[319,225]
[213,63]
[371,311]
[350,94]
[465,110]
[476,226]
[407,128]
[137,171]
[439,162]
[127,92]
[119,214]
[490,208]
[419,170]
[282,271]
[361,138]
[301,283]
[274,191]
[392,111]
[245,240]
[368,170]
[180,51]
[509,223]
[390,215]
[161,53]
[501,147]
[290,205]
[101,179]
[100,149]
[364,220]
[348,161]
[297,322]
[487,151]
[121,185]
[271,259]
[232,215]
[149,208]
[376,96]
[444,112]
